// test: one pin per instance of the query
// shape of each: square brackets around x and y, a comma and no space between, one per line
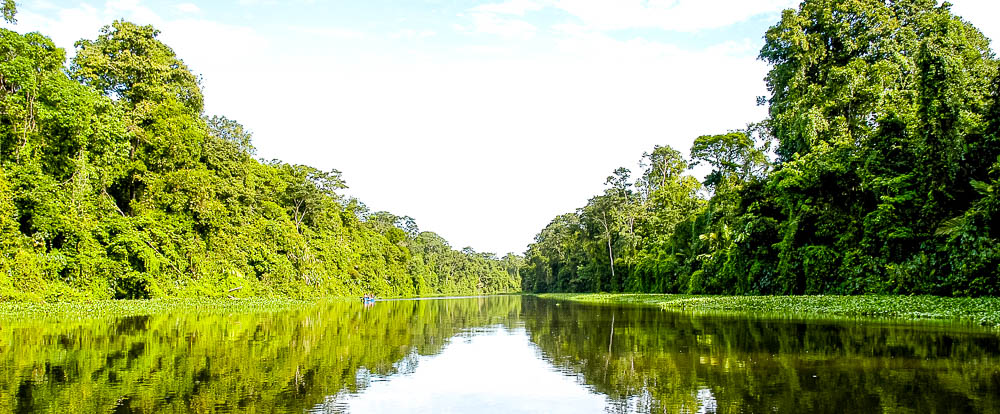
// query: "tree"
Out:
[733,157]
[306,190]
[127,62]
[113,184]
[161,99]
[9,10]
[875,106]
[233,132]
[885,118]
[661,165]
[600,215]
[554,260]
[669,195]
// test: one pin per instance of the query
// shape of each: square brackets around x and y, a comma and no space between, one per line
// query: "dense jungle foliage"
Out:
[114,183]
[876,171]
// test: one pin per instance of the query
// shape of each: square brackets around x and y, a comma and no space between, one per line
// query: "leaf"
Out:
[981,187]
[950,226]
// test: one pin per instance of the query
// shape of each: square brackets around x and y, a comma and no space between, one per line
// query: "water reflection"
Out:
[658,361]
[497,354]
[273,362]
[487,370]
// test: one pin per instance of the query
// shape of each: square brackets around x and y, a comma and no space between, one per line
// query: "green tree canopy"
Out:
[128,62]
[885,115]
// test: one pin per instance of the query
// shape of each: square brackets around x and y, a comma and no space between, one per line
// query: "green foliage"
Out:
[980,311]
[621,240]
[114,184]
[887,124]
[9,10]
[127,62]
[732,156]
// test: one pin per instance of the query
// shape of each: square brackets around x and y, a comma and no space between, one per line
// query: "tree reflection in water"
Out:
[285,361]
[663,361]
[631,359]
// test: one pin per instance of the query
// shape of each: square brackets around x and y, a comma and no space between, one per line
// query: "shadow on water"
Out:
[640,359]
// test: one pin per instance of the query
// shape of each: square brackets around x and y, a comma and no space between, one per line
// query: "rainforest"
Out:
[115,184]
[875,172]
[841,254]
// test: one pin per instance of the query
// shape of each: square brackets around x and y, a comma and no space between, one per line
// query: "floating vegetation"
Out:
[982,311]
[118,308]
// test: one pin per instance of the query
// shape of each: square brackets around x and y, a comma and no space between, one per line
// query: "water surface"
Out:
[504,354]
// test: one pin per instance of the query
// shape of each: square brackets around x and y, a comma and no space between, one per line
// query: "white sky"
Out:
[482,120]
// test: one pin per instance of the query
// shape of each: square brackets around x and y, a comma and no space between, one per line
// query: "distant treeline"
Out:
[115,184]
[876,171]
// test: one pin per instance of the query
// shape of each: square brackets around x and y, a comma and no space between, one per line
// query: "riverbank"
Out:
[981,311]
[116,308]
[137,307]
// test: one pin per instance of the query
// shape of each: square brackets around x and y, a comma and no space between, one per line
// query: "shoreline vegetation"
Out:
[984,311]
[875,172]
[201,305]
[116,184]
[141,307]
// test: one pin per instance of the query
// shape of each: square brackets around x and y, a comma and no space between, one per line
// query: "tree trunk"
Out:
[298,216]
[607,232]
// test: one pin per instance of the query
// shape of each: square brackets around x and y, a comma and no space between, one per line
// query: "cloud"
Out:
[692,15]
[63,26]
[512,7]
[412,34]
[492,23]
[675,15]
[224,60]
[330,32]
[131,9]
[258,2]
[188,8]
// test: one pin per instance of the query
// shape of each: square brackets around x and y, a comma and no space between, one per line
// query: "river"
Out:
[501,354]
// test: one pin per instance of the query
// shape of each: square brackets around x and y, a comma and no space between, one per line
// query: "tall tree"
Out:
[128,62]
[307,189]
[885,119]
[733,157]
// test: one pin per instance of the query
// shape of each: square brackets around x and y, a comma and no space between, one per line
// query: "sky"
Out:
[482,120]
